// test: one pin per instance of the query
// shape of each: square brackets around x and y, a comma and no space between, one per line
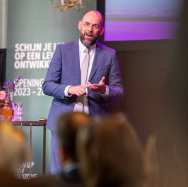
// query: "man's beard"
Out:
[88,44]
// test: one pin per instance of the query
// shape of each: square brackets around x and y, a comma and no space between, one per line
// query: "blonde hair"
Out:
[13,147]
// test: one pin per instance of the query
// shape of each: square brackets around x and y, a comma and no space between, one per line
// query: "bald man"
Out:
[83,76]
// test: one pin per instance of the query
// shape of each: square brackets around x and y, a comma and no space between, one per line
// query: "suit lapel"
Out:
[76,62]
[96,62]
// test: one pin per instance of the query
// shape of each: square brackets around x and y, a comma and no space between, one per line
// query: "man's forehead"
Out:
[92,16]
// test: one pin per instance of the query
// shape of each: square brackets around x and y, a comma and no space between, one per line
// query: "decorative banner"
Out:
[34,29]
[29,56]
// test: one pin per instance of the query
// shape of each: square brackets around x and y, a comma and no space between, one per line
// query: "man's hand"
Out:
[78,90]
[100,87]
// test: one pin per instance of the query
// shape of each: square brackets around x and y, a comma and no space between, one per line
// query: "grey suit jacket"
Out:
[64,70]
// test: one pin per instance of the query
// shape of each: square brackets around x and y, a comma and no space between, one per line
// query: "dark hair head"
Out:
[110,153]
[67,127]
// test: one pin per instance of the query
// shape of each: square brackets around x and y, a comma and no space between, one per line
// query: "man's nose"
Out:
[90,28]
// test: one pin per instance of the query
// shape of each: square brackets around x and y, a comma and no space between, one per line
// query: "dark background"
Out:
[2,66]
[156,100]
[144,67]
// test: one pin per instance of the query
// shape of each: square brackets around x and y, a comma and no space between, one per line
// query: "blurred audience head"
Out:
[67,127]
[13,147]
[2,95]
[110,153]
[2,98]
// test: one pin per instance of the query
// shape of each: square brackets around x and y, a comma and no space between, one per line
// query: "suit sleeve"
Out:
[114,78]
[52,84]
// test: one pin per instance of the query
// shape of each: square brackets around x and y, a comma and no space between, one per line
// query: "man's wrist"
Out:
[66,91]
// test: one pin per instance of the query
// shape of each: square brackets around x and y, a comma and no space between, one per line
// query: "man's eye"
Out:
[96,26]
[86,24]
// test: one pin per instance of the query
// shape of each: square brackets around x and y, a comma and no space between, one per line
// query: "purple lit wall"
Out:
[140,20]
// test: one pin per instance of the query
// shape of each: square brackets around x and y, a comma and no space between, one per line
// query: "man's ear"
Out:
[101,31]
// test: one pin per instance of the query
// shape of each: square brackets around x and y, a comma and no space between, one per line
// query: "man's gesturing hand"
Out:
[100,87]
[78,90]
